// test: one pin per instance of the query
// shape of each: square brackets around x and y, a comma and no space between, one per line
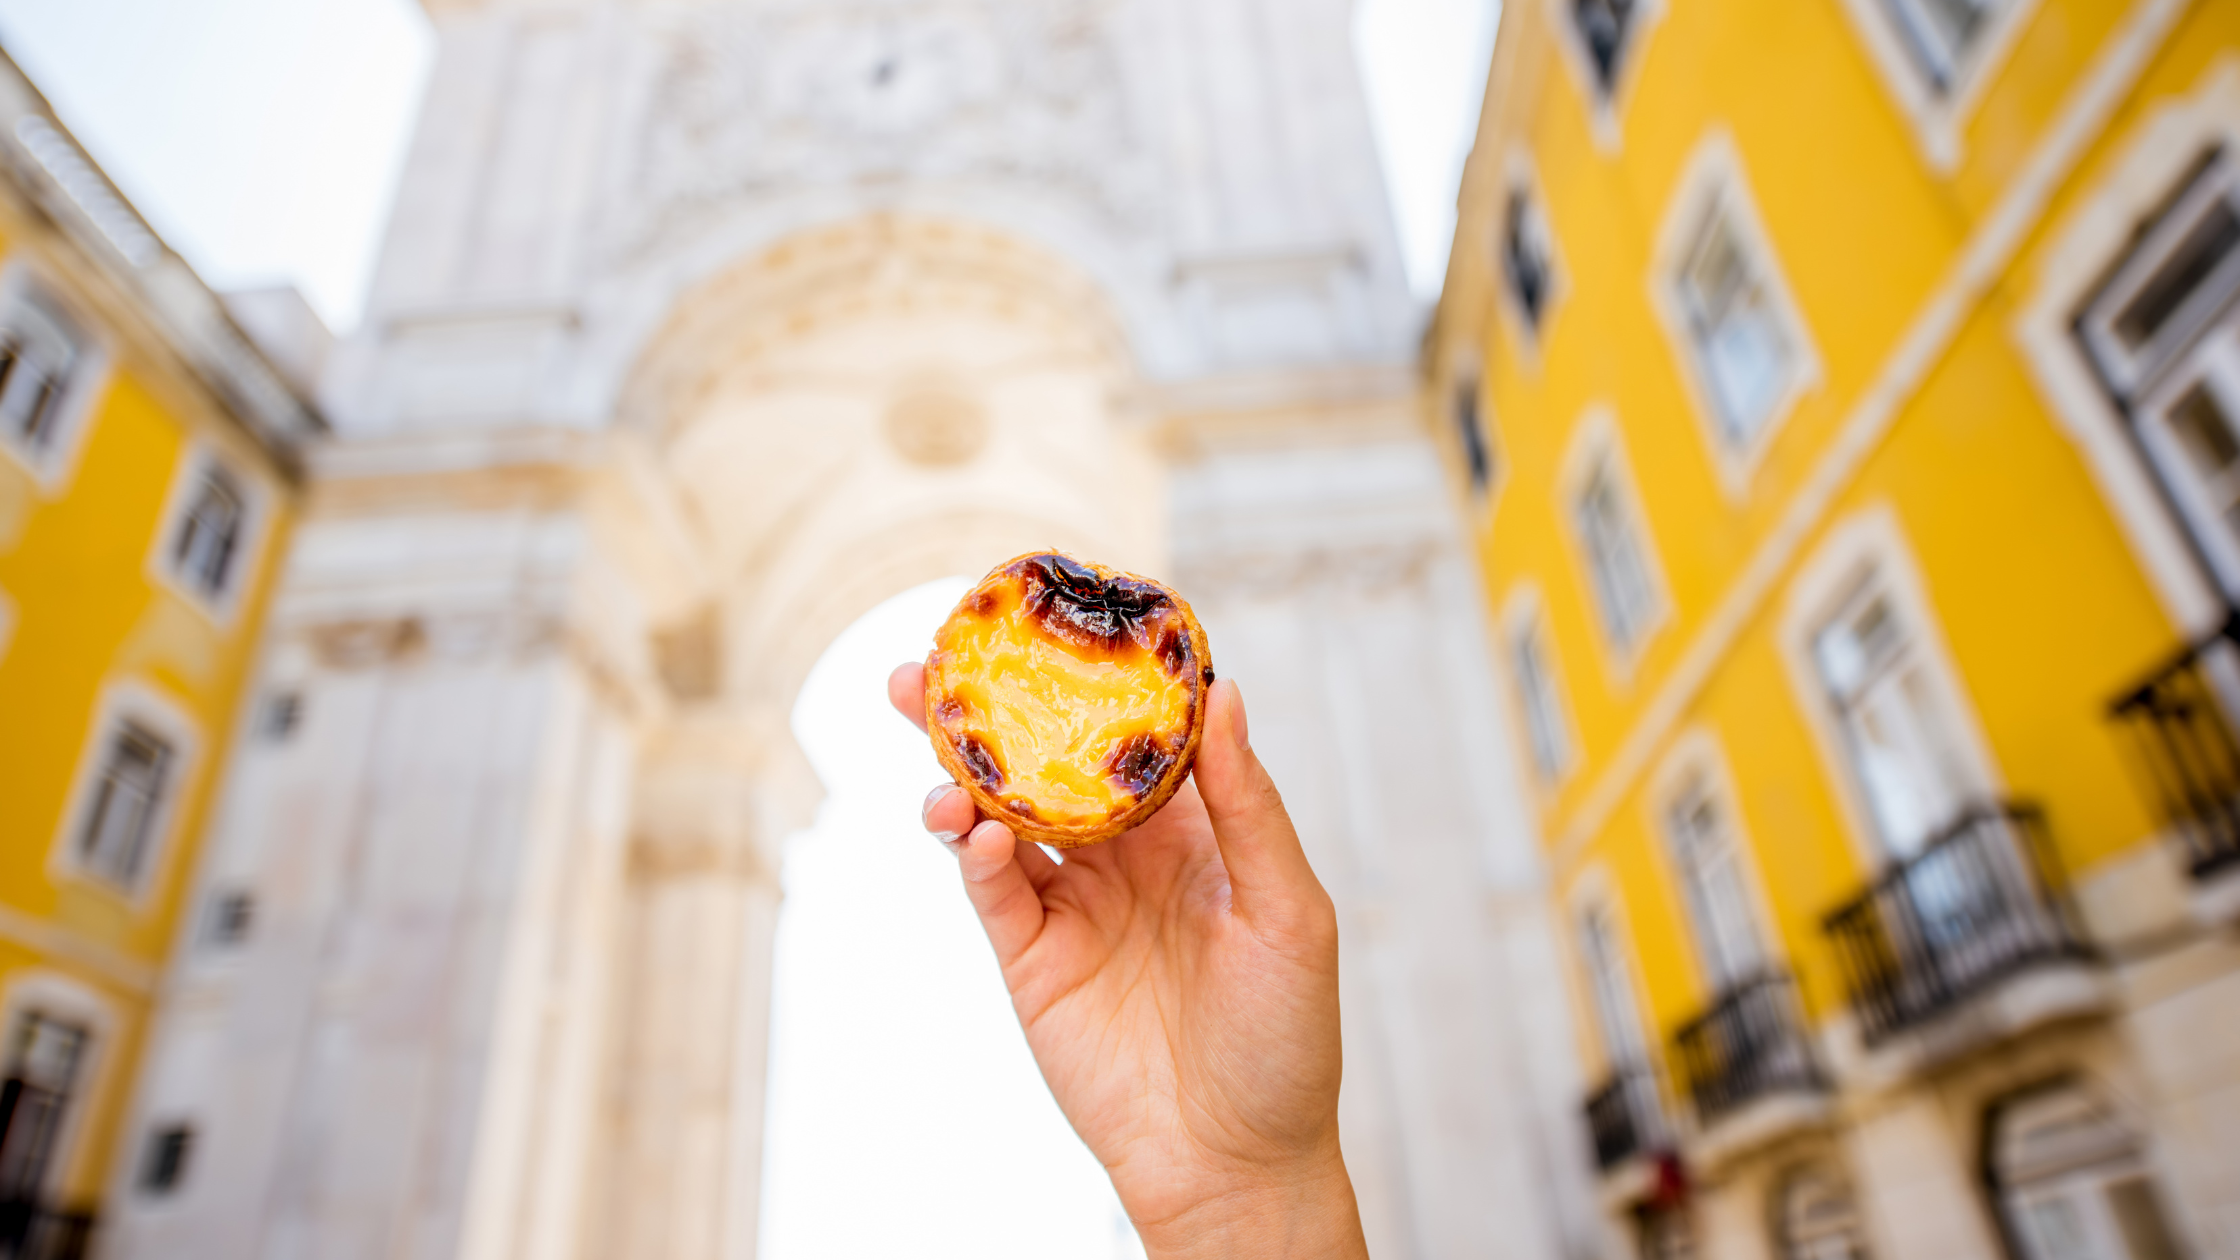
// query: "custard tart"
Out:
[1068,698]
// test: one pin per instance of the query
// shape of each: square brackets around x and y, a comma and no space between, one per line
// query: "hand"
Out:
[1179,988]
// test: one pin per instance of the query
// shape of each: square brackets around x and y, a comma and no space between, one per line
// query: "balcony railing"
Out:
[1748,1045]
[1624,1117]
[2181,719]
[34,1230]
[1982,901]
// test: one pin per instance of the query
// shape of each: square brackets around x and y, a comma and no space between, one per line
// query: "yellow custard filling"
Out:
[1060,727]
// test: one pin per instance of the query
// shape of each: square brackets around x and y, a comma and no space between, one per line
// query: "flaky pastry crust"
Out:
[1068,698]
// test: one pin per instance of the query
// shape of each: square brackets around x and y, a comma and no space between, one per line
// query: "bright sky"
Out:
[262,138]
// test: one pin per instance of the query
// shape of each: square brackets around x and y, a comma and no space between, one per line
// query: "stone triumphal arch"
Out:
[702,326]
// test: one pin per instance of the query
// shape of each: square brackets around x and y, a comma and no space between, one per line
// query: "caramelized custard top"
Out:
[1067,695]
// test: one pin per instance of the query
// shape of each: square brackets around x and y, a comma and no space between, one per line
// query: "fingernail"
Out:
[934,798]
[1240,730]
[925,813]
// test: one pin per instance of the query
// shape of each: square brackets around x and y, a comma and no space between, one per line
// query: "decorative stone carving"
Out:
[799,93]
[936,428]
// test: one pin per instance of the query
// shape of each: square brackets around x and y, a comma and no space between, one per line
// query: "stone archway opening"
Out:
[888,1015]
[860,410]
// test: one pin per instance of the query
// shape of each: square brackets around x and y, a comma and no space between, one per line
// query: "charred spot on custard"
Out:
[984,604]
[1074,605]
[1138,763]
[1176,654]
[1023,808]
[980,762]
[951,711]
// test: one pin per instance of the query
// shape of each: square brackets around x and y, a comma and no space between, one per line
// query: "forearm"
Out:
[1308,1217]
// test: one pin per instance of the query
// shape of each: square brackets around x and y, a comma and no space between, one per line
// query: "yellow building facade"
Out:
[147,458]
[1846,398]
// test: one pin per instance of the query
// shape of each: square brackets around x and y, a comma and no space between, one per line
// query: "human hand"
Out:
[1179,988]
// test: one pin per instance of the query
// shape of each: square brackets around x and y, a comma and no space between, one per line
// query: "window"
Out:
[208,540]
[126,804]
[1545,727]
[2072,1182]
[1941,34]
[1624,591]
[231,914]
[281,715]
[164,1166]
[1711,872]
[42,355]
[1527,258]
[1897,723]
[2165,335]
[1744,355]
[1603,26]
[1611,992]
[43,1057]
[1817,1219]
[1477,458]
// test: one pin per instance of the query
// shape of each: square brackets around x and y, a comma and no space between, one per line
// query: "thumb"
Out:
[1269,877]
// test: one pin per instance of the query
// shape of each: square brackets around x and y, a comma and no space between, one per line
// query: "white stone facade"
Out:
[701,328]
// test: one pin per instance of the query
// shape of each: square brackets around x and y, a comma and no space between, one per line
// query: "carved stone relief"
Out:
[789,94]
[936,428]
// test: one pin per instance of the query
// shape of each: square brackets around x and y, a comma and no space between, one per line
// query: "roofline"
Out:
[44,162]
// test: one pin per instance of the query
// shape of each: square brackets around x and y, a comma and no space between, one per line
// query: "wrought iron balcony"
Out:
[1624,1117]
[2181,720]
[32,1229]
[1980,902]
[1748,1045]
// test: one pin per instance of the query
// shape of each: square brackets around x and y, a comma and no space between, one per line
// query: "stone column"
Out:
[682,1176]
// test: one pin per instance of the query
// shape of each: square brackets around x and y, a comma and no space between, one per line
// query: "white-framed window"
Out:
[1896,721]
[1816,1217]
[1876,682]
[1941,35]
[207,543]
[1720,293]
[1539,691]
[2164,333]
[1528,256]
[134,770]
[1715,878]
[46,1054]
[2073,1182]
[1470,434]
[1627,593]
[1745,355]
[137,774]
[2081,266]
[1605,30]
[1610,986]
[1601,41]
[1935,57]
[50,368]
[213,526]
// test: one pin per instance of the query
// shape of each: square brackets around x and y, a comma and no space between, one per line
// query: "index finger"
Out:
[906,691]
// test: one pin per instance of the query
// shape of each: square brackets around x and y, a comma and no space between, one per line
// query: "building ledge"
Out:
[2051,992]
[2215,899]
[1756,1125]
[1629,1182]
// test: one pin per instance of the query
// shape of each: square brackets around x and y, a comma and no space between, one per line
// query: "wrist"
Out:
[1298,1214]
